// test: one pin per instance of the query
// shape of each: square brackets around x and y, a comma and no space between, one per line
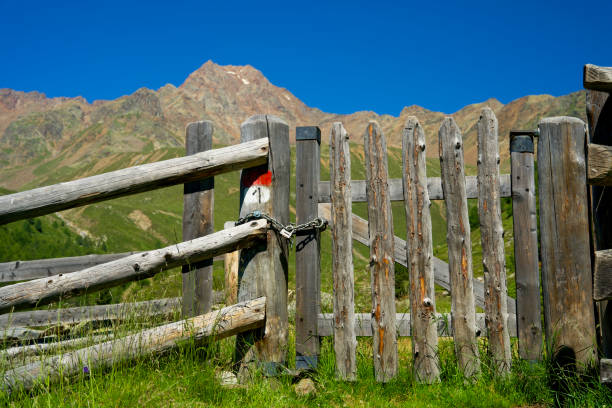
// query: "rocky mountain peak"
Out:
[226,95]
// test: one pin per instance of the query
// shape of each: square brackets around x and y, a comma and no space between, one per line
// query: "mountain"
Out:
[73,137]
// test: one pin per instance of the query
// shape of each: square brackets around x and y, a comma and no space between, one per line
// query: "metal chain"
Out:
[287,231]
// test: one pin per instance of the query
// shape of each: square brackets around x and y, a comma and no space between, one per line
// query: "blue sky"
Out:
[338,56]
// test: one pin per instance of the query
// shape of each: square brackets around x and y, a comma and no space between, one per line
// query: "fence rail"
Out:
[396,189]
[138,179]
[443,324]
[116,311]
[134,267]
[16,271]
[221,323]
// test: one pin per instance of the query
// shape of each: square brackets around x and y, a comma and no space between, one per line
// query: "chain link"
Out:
[288,231]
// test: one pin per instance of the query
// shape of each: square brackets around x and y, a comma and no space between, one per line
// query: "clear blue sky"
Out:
[338,56]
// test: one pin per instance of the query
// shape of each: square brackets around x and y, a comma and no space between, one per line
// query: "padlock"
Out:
[285,233]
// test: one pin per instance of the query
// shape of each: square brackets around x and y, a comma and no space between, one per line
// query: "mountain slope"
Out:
[69,136]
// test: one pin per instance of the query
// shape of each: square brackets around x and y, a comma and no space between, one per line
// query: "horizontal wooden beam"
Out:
[605,370]
[441,275]
[363,324]
[396,190]
[132,180]
[602,275]
[599,159]
[134,267]
[117,311]
[16,271]
[20,334]
[597,78]
[21,352]
[220,324]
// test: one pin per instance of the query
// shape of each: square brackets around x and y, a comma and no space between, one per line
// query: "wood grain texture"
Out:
[263,269]
[459,248]
[198,220]
[444,327]
[218,324]
[132,180]
[567,285]
[600,164]
[492,241]
[20,354]
[20,334]
[71,315]
[307,253]
[602,275]
[599,116]
[16,271]
[345,342]
[526,261]
[441,274]
[396,190]
[419,253]
[230,266]
[382,263]
[135,267]
[25,270]
[597,78]
[116,311]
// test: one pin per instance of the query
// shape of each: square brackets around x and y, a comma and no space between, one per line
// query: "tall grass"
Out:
[187,376]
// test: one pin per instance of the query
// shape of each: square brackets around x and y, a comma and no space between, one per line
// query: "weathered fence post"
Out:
[492,240]
[345,342]
[308,247]
[599,117]
[565,246]
[198,205]
[382,263]
[263,270]
[230,266]
[525,227]
[459,243]
[419,254]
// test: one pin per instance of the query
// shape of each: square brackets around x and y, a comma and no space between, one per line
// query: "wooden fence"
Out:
[416,252]
[256,251]
[598,82]
[45,281]
[564,221]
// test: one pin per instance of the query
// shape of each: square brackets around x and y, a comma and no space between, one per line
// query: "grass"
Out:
[186,377]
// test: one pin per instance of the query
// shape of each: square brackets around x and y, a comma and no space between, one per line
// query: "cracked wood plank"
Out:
[419,254]
[382,263]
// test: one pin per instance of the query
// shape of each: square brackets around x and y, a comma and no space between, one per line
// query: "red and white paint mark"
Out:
[258,191]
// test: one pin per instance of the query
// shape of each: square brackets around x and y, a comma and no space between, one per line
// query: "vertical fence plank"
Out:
[230,266]
[308,247]
[459,242]
[565,247]
[263,269]
[382,263]
[492,240]
[419,253]
[525,227]
[198,205]
[345,342]
[599,116]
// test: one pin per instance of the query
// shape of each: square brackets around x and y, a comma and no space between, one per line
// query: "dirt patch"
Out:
[140,219]
[82,232]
